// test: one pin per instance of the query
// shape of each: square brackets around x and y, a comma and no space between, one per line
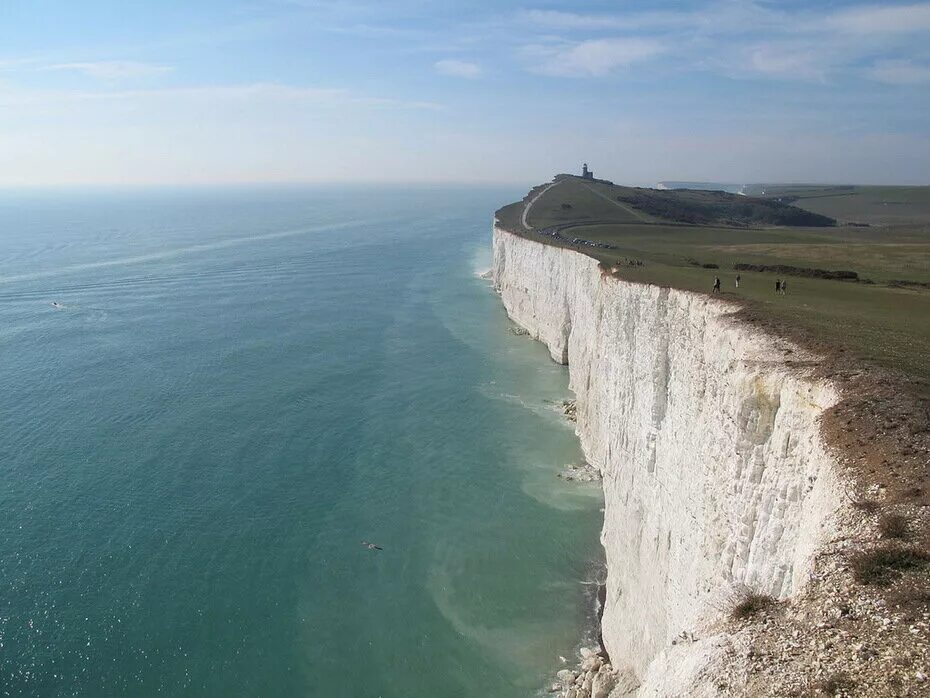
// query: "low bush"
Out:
[835,683]
[718,207]
[808,272]
[868,506]
[749,603]
[893,526]
[883,565]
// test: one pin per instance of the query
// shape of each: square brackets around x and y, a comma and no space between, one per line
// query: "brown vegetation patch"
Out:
[881,566]
[788,270]
[893,526]
[867,506]
[835,683]
[749,604]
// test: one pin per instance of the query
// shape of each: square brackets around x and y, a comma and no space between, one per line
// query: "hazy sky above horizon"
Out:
[222,91]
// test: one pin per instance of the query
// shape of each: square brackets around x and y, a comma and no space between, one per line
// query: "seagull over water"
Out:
[371,546]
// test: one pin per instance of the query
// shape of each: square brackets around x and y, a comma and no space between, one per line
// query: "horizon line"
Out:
[31,186]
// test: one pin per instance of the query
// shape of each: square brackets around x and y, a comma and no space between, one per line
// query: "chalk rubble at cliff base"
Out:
[580,472]
[594,677]
[716,480]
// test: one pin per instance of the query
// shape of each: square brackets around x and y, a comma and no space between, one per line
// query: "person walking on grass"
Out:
[737,281]
[784,287]
[716,284]
[777,286]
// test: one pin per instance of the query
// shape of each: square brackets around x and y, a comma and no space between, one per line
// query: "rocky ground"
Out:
[841,636]
[862,625]
[593,677]
[580,472]
[570,410]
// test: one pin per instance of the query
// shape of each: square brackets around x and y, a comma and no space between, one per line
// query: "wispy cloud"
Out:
[591,58]
[570,21]
[882,19]
[736,38]
[458,69]
[113,70]
[900,72]
[746,17]
[713,18]
[786,60]
[264,94]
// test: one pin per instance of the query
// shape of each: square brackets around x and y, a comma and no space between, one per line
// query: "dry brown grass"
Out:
[750,603]
[867,506]
[833,684]
[881,566]
[893,526]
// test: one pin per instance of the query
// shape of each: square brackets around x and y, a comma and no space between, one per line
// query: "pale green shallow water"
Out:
[238,388]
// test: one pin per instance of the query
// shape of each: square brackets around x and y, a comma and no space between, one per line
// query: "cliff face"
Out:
[715,475]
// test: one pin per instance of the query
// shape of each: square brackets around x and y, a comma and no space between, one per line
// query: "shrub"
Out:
[835,683]
[749,603]
[788,270]
[868,506]
[893,526]
[704,207]
[883,565]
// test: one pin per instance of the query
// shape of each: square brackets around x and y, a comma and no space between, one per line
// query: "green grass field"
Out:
[878,321]
[858,204]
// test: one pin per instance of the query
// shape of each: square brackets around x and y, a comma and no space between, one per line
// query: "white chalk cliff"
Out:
[714,471]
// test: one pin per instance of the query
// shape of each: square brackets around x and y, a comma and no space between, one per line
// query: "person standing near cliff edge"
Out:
[737,281]
[716,284]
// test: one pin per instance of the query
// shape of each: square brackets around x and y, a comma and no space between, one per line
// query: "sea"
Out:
[213,400]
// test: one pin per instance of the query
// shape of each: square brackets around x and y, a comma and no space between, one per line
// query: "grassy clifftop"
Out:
[874,205]
[862,289]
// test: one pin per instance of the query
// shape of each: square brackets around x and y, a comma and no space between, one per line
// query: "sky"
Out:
[100,92]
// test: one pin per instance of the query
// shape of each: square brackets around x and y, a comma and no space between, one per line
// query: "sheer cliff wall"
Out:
[706,432]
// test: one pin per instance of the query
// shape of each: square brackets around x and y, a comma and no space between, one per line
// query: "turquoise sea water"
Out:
[238,387]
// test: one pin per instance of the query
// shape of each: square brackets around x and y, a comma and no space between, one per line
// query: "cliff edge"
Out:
[732,529]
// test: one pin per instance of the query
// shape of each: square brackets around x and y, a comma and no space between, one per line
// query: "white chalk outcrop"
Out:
[714,471]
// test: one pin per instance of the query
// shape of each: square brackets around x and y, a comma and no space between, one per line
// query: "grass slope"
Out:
[855,204]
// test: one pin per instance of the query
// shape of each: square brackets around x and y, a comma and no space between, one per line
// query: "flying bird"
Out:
[371,546]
